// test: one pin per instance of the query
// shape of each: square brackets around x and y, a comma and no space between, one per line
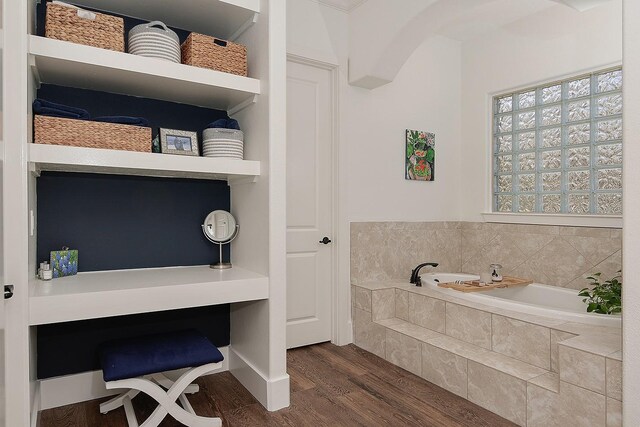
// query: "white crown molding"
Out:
[344,5]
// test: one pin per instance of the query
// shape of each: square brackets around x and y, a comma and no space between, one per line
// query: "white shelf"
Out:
[220,18]
[93,160]
[74,65]
[122,292]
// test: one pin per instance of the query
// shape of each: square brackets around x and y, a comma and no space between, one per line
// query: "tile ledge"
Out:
[599,221]
[598,344]
[409,329]
[499,362]
[375,286]
[549,381]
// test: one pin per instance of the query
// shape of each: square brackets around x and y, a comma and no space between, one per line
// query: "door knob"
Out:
[325,240]
[8,291]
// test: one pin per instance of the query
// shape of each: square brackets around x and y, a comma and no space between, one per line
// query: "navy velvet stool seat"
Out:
[138,364]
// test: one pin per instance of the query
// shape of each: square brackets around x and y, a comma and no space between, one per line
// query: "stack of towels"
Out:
[47,108]
[224,124]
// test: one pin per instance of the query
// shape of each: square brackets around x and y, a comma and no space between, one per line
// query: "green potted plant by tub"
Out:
[605,297]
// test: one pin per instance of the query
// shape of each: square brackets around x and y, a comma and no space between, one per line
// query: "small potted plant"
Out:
[605,297]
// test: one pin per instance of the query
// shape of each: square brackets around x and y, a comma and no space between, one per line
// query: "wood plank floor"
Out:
[330,386]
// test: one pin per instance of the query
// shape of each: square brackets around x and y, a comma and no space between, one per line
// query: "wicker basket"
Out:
[84,133]
[83,27]
[220,55]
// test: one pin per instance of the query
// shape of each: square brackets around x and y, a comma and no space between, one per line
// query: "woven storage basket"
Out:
[220,55]
[76,26]
[84,133]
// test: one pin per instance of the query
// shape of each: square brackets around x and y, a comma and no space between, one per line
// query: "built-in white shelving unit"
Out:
[255,287]
[93,160]
[116,293]
[86,67]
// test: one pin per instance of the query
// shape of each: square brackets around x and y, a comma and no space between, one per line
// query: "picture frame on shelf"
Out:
[180,142]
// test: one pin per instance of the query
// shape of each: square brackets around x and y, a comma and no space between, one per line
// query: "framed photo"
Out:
[179,142]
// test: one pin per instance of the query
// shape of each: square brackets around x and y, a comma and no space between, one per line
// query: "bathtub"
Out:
[537,299]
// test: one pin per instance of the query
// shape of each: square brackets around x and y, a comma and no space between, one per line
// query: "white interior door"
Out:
[309,204]
[2,319]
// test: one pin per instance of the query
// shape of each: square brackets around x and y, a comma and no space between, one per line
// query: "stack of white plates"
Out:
[228,148]
[148,40]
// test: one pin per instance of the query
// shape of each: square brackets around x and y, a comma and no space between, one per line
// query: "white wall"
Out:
[631,254]
[317,31]
[425,95]
[554,43]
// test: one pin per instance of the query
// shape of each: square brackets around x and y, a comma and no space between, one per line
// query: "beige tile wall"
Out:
[553,255]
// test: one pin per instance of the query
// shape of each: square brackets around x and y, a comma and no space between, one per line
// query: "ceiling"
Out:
[345,5]
[492,16]
[349,5]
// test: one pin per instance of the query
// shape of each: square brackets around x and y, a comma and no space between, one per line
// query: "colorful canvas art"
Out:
[420,155]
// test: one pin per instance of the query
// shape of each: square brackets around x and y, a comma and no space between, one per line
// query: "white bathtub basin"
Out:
[538,299]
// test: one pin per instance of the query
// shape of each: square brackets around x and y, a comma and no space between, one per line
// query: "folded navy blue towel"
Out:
[47,108]
[123,120]
[225,124]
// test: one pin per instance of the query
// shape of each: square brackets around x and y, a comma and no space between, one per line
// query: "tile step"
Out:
[549,381]
[491,359]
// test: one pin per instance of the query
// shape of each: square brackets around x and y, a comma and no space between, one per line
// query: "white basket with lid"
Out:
[154,40]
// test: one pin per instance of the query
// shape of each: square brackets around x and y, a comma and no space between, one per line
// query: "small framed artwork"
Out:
[420,156]
[179,142]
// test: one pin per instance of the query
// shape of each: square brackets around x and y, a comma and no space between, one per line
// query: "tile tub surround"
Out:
[552,255]
[532,370]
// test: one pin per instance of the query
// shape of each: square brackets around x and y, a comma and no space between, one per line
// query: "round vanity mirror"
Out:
[220,227]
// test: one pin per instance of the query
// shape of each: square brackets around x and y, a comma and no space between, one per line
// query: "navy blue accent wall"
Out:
[121,222]
[71,348]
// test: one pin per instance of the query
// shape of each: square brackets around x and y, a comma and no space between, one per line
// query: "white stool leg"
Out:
[166,383]
[167,399]
[117,401]
[129,412]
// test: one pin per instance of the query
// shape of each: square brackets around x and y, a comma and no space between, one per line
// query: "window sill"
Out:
[604,221]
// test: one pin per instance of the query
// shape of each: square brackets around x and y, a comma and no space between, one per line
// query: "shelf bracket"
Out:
[241,106]
[34,169]
[34,70]
[244,27]
[243,180]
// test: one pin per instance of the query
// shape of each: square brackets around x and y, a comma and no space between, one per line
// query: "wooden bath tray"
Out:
[474,285]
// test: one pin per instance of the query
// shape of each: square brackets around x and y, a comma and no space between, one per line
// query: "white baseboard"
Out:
[68,389]
[273,394]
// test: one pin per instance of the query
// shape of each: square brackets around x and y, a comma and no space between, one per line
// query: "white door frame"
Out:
[340,290]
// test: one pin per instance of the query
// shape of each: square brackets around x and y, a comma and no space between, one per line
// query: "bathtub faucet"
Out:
[415,279]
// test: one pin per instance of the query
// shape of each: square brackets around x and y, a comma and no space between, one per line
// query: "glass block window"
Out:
[557,148]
